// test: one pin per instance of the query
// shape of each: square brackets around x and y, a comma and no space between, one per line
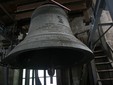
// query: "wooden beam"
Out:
[24,15]
[77,7]
[27,14]
[25,11]
[35,5]
[29,6]
[67,1]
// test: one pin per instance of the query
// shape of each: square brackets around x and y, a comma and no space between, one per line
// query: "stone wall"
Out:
[78,26]
[105,18]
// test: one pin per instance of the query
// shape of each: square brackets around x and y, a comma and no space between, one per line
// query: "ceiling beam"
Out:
[27,14]
[23,15]
[66,3]
[29,6]
[25,11]
[19,1]
[7,13]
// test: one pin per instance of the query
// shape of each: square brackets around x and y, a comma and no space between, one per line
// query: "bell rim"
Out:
[89,56]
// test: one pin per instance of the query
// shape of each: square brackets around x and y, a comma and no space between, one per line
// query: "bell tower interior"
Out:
[56,42]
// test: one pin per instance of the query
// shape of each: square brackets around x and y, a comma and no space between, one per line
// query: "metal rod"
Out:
[37,80]
[33,77]
[27,77]
[44,77]
[104,24]
[103,34]
[60,5]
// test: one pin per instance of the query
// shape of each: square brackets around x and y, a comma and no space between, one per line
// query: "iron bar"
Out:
[102,35]
[37,80]
[27,77]
[33,77]
[105,24]
[44,77]
[61,5]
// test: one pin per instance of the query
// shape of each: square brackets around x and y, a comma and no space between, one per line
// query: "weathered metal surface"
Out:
[49,43]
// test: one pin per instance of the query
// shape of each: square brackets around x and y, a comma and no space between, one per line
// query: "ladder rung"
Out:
[108,79]
[108,70]
[102,63]
[99,56]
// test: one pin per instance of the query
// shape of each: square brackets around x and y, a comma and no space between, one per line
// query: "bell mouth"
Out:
[44,58]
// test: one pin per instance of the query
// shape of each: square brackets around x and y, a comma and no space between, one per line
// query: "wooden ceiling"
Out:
[19,11]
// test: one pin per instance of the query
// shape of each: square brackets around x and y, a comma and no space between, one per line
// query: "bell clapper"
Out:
[51,72]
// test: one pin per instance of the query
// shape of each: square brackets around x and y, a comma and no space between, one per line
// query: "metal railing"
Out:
[111,49]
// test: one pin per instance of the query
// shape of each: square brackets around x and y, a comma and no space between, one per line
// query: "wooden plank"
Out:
[35,5]
[25,11]
[27,14]
[23,15]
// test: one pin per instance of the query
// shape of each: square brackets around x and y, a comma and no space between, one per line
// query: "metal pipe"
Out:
[60,5]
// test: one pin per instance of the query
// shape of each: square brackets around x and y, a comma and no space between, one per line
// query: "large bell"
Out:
[49,43]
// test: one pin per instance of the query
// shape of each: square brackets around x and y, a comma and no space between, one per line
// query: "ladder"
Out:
[103,65]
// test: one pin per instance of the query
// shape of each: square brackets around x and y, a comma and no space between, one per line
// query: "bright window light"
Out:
[41,77]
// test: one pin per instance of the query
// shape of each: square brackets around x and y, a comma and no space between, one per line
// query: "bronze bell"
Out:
[49,43]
